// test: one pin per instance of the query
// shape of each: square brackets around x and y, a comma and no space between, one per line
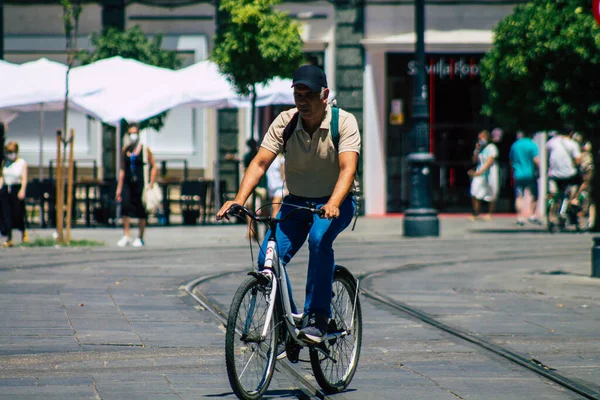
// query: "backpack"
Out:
[334,128]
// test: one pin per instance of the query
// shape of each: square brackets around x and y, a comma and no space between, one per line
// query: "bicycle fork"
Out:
[272,295]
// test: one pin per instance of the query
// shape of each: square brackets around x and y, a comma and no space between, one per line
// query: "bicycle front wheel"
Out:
[250,357]
[334,361]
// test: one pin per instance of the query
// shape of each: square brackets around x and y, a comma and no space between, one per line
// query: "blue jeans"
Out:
[291,235]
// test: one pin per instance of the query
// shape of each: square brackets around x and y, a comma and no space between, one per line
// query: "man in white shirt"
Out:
[564,156]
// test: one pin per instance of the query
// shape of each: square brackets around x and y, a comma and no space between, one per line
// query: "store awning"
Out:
[458,40]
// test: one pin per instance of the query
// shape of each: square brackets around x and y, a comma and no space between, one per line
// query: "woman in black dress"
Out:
[13,185]
[131,186]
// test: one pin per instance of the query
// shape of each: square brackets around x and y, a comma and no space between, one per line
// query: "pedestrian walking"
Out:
[485,176]
[12,194]
[525,162]
[130,186]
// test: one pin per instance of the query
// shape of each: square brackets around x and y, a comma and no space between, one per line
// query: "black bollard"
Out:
[596,258]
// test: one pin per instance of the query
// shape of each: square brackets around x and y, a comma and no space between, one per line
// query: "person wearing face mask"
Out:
[485,176]
[12,194]
[131,186]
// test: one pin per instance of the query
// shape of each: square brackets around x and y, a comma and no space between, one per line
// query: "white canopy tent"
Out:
[37,86]
[8,72]
[118,89]
[205,86]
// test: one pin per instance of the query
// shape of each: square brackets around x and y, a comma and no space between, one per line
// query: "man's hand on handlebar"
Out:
[331,211]
[222,213]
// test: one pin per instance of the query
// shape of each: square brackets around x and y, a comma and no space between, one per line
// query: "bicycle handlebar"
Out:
[242,211]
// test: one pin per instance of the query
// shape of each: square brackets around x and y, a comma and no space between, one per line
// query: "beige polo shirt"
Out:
[311,164]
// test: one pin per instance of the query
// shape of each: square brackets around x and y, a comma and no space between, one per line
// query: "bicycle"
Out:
[261,319]
[561,212]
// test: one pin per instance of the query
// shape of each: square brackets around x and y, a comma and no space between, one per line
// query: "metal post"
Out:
[118,154]
[540,140]
[420,219]
[596,258]
[42,128]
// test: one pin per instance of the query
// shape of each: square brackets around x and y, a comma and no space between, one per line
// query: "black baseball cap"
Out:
[311,76]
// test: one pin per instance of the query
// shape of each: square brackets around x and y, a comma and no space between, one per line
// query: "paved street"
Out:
[111,323]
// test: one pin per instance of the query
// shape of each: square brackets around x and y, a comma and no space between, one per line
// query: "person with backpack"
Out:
[321,145]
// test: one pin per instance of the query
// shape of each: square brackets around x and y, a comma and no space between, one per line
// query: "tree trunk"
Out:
[71,142]
[59,188]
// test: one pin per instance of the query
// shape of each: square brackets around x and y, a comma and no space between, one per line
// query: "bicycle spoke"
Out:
[250,357]
[334,372]
[248,363]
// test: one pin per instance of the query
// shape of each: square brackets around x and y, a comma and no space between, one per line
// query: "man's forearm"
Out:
[342,186]
[250,181]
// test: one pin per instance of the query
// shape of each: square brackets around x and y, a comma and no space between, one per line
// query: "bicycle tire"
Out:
[334,377]
[244,348]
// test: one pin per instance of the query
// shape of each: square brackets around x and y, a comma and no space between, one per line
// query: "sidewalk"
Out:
[114,323]
[227,233]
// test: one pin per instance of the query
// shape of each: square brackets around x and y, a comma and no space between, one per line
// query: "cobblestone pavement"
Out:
[112,323]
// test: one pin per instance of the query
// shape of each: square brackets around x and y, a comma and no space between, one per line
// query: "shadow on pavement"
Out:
[270,394]
[509,230]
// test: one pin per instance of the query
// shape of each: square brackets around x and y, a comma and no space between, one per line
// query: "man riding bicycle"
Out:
[564,157]
[319,170]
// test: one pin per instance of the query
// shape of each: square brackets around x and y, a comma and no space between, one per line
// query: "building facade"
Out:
[366,48]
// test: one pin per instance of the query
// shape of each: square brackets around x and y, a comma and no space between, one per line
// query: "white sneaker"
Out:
[124,241]
[138,243]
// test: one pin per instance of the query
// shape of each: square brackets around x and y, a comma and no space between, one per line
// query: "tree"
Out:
[542,72]
[71,13]
[256,44]
[133,44]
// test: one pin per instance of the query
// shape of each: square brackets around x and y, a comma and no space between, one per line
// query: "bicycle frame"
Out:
[273,267]
[276,274]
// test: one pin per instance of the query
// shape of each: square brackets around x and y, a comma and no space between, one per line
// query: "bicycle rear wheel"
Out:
[249,357]
[335,371]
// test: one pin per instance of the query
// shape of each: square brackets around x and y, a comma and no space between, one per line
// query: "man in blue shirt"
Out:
[525,162]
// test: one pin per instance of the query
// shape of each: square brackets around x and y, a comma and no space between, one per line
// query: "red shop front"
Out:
[456,95]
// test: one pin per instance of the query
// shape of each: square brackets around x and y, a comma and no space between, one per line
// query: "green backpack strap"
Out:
[334,127]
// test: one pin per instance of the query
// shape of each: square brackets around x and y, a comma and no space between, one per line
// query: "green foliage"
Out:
[133,44]
[71,13]
[542,72]
[257,44]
